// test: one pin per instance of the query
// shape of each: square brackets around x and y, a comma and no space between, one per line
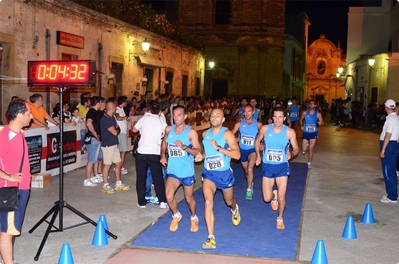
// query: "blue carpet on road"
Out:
[256,235]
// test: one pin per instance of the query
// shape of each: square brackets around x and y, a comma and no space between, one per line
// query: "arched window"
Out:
[222,12]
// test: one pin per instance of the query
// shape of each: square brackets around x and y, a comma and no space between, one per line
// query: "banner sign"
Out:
[35,145]
[53,151]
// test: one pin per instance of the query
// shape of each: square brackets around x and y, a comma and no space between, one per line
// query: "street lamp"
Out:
[371,62]
[211,64]
[340,69]
[145,46]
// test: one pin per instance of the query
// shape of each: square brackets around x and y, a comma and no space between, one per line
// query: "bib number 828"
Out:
[215,165]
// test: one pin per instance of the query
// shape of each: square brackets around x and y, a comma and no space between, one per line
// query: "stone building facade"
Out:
[29,29]
[245,39]
[323,61]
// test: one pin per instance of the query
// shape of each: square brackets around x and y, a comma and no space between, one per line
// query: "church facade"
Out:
[323,81]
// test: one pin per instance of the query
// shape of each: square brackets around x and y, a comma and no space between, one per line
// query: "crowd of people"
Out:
[168,146]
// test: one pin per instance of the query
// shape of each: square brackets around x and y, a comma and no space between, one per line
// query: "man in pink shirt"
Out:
[13,152]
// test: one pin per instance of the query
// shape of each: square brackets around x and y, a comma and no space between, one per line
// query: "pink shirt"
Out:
[11,155]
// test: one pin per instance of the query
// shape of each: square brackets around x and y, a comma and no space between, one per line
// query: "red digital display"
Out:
[61,73]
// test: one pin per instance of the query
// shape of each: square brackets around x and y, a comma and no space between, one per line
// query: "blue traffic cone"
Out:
[66,255]
[99,238]
[319,254]
[104,220]
[368,216]
[349,231]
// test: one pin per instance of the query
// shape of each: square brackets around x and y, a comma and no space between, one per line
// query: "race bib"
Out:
[293,114]
[214,162]
[175,151]
[310,127]
[247,140]
[274,155]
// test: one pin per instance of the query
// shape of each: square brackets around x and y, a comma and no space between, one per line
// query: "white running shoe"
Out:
[163,205]
[89,183]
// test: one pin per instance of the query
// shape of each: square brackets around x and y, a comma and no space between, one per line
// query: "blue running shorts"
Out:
[274,171]
[222,179]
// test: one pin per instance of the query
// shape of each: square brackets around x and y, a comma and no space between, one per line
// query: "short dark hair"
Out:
[15,107]
[14,97]
[176,107]
[154,107]
[279,109]
[94,100]
[122,99]
[34,97]
[84,100]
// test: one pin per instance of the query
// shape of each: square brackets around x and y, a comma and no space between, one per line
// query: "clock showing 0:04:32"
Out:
[61,73]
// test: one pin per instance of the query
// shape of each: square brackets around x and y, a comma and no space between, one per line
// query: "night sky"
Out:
[326,16]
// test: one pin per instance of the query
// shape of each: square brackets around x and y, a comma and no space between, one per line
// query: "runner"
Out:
[294,113]
[310,120]
[276,154]
[182,144]
[248,129]
[220,147]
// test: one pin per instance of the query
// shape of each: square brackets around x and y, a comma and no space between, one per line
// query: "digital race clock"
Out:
[61,73]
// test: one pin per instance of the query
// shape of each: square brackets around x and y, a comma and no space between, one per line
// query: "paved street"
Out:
[346,174]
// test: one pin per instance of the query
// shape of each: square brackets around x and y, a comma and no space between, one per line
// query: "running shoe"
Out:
[153,200]
[235,216]
[89,183]
[274,202]
[107,189]
[248,196]
[210,243]
[122,187]
[280,223]
[194,224]
[124,171]
[309,165]
[174,224]
[163,205]
[385,199]
[97,179]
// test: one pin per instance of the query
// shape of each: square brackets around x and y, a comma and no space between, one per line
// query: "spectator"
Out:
[12,99]
[14,171]
[109,147]
[84,107]
[121,119]
[93,137]
[152,130]
[39,114]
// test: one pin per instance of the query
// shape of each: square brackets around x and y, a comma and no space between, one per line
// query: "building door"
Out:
[219,88]
[184,85]
[319,98]
[169,85]
[149,74]
[374,94]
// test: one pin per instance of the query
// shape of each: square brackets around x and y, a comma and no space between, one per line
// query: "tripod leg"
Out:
[56,210]
[44,217]
[86,218]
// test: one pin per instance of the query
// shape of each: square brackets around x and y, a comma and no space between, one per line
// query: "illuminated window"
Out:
[222,12]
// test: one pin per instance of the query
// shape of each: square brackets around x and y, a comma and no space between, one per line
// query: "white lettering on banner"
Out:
[54,145]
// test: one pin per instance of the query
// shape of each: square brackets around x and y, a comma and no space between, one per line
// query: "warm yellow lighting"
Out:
[145,45]
[337,74]
[371,62]
[211,64]
[340,69]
